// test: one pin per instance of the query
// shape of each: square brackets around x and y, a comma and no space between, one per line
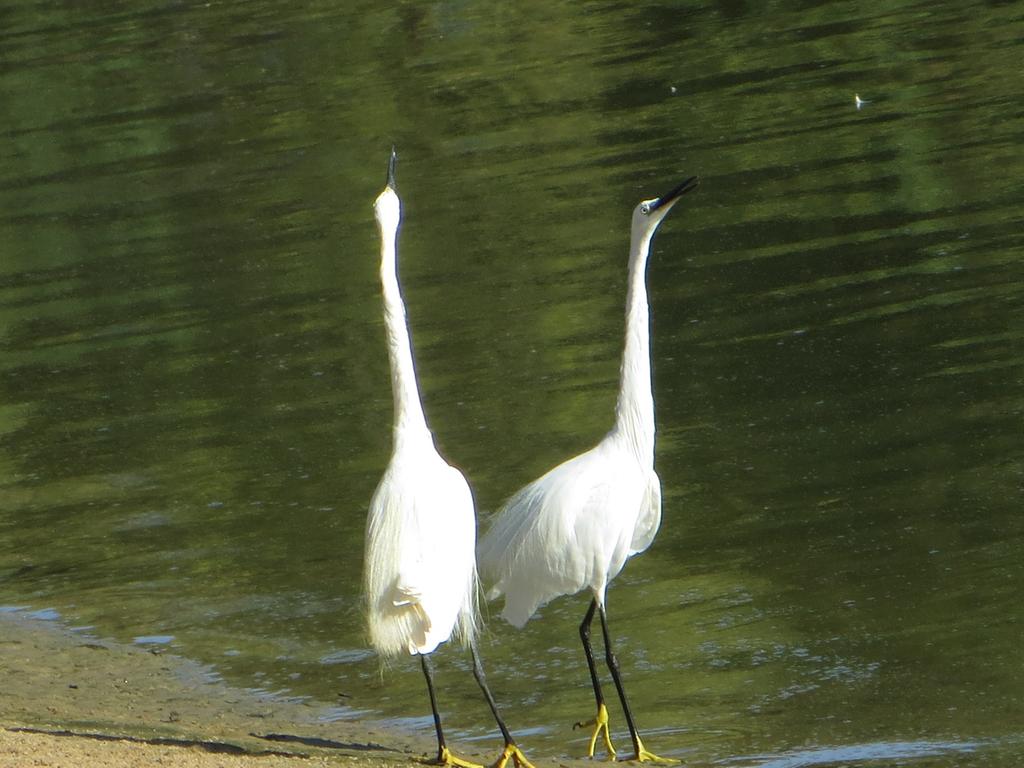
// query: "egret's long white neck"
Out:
[409,418]
[634,412]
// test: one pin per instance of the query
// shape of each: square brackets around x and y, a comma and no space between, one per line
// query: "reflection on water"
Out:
[194,403]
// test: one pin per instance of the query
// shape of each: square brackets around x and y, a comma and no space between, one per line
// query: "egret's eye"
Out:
[645,209]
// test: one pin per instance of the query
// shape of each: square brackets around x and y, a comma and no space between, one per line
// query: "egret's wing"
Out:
[406,596]
[649,519]
[457,550]
[390,594]
[407,588]
[572,528]
[419,576]
[529,553]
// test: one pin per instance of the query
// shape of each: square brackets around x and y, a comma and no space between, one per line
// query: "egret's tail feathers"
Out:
[469,622]
[395,628]
[467,627]
[500,546]
[405,620]
[517,616]
[526,592]
[404,594]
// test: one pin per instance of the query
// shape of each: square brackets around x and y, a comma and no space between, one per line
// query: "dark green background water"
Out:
[194,397]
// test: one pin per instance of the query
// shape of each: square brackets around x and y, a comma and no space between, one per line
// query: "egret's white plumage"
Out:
[575,527]
[572,528]
[420,572]
[419,575]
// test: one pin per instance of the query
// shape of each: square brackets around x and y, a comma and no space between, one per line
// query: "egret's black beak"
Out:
[670,197]
[391,169]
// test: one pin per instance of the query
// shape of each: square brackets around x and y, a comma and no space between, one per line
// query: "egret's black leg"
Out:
[613,666]
[642,754]
[589,651]
[511,749]
[478,673]
[441,747]
[600,721]
[444,756]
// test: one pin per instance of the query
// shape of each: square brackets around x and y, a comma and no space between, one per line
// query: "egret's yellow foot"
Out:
[600,723]
[446,758]
[643,756]
[511,750]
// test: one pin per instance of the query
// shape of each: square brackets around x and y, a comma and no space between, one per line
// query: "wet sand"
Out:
[71,700]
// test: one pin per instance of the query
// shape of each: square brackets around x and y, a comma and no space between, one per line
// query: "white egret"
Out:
[420,576]
[576,526]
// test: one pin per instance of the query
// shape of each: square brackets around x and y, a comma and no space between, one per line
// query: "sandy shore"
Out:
[70,700]
[20,748]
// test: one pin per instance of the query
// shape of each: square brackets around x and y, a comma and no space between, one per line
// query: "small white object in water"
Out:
[673,89]
[859,101]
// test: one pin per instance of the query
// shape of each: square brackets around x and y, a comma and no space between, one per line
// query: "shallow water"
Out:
[194,402]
